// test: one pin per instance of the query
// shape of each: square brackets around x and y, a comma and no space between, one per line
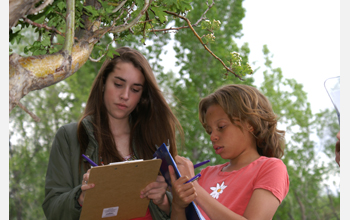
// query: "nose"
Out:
[214,137]
[125,94]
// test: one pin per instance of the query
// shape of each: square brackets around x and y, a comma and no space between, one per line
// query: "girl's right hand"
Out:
[85,186]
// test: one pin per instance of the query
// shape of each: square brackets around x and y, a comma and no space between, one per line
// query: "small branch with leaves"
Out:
[204,45]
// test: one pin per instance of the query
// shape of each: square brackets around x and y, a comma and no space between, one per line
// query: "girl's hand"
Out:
[183,193]
[85,186]
[156,191]
[185,166]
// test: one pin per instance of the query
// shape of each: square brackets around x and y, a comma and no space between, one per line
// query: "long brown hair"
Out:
[248,105]
[151,123]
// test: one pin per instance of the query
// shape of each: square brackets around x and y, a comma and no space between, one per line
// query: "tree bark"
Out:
[37,72]
[18,9]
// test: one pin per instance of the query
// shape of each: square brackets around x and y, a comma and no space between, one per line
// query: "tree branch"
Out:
[44,26]
[70,18]
[36,118]
[194,25]
[205,46]
[119,6]
[41,7]
[124,27]
[98,59]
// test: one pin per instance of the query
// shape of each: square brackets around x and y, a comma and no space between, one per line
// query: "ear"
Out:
[250,128]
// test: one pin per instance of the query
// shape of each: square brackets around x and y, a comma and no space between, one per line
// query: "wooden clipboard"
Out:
[116,194]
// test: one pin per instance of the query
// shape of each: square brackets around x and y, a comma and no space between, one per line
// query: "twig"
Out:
[44,26]
[203,15]
[35,118]
[98,59]
[169,29]
[119,6]
[194,25]
[41,7]
[199,38]
[126,26]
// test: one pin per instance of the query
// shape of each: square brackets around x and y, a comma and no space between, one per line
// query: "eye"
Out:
[208,132]
[117,85]
[136,90]
[221,127]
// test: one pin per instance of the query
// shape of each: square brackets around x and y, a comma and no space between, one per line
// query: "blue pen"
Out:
[194,178]
[200,164]
[90,161]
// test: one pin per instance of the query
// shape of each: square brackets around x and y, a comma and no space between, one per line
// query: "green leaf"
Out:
[159,12]
[61,5]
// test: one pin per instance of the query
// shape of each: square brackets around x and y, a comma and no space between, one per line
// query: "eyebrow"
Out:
[124,80]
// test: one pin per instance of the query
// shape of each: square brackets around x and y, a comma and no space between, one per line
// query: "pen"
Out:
[194,178]
[89,160]
[200,164]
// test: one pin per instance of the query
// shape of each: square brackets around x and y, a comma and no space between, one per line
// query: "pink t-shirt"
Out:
[234,189]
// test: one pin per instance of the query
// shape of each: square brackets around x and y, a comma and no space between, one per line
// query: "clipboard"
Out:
[116,194]
[192,212]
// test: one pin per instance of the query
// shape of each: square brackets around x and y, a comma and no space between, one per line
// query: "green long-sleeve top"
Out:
[63,179]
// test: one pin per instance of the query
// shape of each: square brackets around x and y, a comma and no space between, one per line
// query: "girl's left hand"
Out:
[185,166]
[156,191]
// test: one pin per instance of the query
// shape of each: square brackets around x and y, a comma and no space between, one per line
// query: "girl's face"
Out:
[123,90]
[229,141]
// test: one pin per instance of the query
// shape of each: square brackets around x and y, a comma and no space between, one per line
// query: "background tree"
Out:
[70,30]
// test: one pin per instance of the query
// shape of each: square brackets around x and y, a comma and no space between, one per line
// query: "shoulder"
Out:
[272,175]
[67,130]
[67,135]
[270,162]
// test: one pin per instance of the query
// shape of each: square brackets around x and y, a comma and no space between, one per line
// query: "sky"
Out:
[303,36]
[310,44]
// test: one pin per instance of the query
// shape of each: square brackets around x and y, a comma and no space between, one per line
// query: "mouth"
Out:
[121,106]
[217,148]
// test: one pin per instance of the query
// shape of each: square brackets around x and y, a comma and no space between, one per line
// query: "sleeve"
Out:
[158,214]
[60,192]
[273,176]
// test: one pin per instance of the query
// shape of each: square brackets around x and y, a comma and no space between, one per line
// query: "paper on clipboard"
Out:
[116,194]
[192,212]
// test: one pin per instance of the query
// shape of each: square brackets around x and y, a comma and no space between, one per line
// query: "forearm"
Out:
[178,213]
[63,205]
[165,205]
[214,209]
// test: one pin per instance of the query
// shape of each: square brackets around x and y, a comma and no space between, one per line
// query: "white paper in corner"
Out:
[127,161]
[110,212]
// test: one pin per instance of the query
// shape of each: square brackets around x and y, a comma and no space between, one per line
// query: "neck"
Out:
[242,160]
[121,133]
[119,127]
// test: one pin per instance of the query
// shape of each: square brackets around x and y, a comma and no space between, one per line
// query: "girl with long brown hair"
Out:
[125,117]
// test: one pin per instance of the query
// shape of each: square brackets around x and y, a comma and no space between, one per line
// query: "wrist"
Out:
[80,200]
[163,203]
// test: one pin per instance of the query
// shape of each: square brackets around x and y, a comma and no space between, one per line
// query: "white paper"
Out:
[110,212]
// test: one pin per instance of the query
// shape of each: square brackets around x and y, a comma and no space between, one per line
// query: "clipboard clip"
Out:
[167,146]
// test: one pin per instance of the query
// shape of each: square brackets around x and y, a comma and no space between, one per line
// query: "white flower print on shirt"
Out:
[217,190]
